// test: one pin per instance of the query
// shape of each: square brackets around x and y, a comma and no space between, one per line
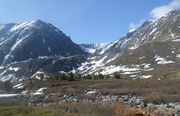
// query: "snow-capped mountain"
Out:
[35,43]
[152,45]
[97,48]
[35,39]
[151,50]
[163,29]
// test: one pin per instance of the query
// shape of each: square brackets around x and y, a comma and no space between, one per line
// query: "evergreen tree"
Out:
[57,76]
[80,77]
[88,77]
[116,75]
[100,76]
[71,77]
[95,77]
[63,76]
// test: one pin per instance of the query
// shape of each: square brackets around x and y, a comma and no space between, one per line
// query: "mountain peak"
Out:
[29,24]
[172,13]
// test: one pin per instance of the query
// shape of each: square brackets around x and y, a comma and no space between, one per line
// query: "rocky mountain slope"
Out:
[28,47]
[150,50]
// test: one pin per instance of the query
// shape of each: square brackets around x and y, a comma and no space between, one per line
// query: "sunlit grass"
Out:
[36,111]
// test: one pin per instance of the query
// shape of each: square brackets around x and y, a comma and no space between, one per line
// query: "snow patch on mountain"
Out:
[94,48]
[178,55]
[90,50]
[132,30]
[18,42]
[2,27]
[146,76]
[18,86]
[161,60]
[49,49]
[153,31]
[112,69]
[176,40]
[15,69]
[112,59]
[1,67]
[8,95]
[94,67]
[133,47]
[7,78]
[25,25]
[39,91]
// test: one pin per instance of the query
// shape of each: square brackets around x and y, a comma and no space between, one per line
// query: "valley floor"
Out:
[108,97]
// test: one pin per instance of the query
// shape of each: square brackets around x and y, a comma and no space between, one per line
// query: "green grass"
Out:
[36,111]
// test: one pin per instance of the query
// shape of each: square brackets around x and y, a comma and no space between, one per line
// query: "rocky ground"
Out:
[91,95]
[118,95]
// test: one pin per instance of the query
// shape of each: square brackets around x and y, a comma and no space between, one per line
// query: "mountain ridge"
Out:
[152,47]
[139,48]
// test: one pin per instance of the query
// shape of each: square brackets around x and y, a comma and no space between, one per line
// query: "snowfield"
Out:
[161,60]
[8,95]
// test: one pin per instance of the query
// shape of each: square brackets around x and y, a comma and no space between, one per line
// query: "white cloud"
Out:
[158,12]
[163,10]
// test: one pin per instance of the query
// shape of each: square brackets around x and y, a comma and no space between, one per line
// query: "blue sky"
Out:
[85,21]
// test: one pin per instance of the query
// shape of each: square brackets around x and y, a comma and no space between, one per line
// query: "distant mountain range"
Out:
[151,50]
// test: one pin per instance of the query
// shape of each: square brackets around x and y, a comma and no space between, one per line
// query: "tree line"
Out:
[77,76]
